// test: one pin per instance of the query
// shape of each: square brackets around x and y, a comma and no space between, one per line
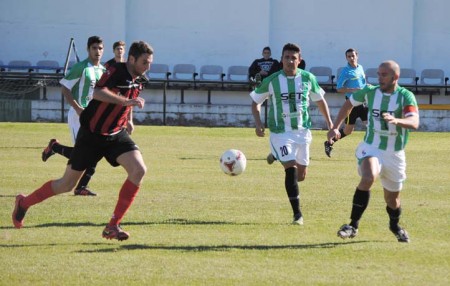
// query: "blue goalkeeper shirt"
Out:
[351,77]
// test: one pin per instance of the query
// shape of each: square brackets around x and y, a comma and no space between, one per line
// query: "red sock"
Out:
[38,196]
[126,197]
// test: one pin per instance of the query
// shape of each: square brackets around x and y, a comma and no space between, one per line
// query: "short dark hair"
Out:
[291,47]
[267,49]
[94,40]
[118,43]
[351,50]
[139,48]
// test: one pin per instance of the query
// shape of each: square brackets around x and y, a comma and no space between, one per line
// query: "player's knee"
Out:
[368,179]
[301,177]
[139,171]
[301,174]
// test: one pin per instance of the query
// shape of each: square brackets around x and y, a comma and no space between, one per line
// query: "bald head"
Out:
[388,75]
[391,66]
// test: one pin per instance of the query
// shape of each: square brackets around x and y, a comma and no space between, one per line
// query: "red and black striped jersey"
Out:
[107,118]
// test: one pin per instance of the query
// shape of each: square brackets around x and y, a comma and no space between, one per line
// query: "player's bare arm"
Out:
[105,95]
[69,99]
[323,108]
[343,113]
[130,124]
[259,127]
[409,122]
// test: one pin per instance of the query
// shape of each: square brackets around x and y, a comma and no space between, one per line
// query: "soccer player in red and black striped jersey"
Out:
[105,127]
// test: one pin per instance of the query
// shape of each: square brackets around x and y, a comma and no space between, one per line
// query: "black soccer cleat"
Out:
[328,148]
[401,234]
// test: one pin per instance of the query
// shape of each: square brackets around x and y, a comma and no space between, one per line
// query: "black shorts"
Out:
[91,148]
[359,111]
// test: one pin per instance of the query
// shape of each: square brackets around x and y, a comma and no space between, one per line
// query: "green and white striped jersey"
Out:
[400,104]
[288,99]
[81,80]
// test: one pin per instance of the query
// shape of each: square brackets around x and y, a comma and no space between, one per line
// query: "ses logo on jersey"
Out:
[291,95]
[378,113]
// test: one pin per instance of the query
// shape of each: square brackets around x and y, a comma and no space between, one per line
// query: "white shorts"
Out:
[291,146]
[73,120]
[391,165]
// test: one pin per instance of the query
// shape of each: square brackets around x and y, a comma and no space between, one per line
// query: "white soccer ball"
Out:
[233,162]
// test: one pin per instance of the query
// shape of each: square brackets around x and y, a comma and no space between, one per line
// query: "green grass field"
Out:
[193,225]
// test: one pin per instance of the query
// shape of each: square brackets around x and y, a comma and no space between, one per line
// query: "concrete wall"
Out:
[416,33]
[227,109]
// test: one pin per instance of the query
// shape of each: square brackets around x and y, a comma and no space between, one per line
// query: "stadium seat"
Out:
[237,73]
[2,68]
[237,76]
[158,75]
[371,76]
[211,72]
[184,72]
[159,71]
[47,65]
[324,76]
[432,78]
[214,74]
[408,77]
[20,65]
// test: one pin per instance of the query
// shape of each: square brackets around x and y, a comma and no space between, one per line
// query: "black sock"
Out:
[394,218]
[360,203]
[291,185]
[342,135]
[84,181]
[66,151]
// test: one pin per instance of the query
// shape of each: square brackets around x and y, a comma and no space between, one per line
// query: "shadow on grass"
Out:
[217,159]
[176,221]
[8,196]
[204,248]
[50,244]
[189,248]
[20,147]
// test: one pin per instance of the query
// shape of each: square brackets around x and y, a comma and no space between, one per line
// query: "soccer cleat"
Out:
[48,152]
[19,212]
[347,231]
[401,235]
[115,232]
[84,191]
[298,219]
[270,159]
[328,148]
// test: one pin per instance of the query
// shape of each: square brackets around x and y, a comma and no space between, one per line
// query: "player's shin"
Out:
[126,197]
[38,196]
[360,203]
[394,218]
[291,186]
